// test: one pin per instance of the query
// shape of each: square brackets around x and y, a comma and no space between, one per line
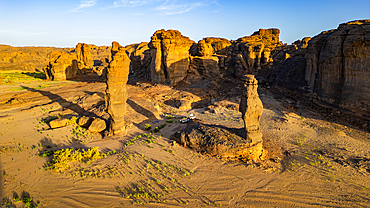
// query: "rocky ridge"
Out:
[26,58]
[331,68]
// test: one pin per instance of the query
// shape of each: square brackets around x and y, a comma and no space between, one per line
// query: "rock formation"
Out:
[84,55]
[204,67]
[252,52]
[338,66]
[170,56]
[218,141]
[208,57]
[83,60]
[140,57]
[61,66]
[251,108]
[213,46]
[226,142]
[116,94]
[25,58]
[204,49]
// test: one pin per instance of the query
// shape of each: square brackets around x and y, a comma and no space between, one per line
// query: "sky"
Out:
[65,23]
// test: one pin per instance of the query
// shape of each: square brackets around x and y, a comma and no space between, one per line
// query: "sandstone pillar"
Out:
[251,109]
[156,67]
[116,93]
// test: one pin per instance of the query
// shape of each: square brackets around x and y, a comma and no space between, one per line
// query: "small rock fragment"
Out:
[97,125]
[84,121]
[60,122]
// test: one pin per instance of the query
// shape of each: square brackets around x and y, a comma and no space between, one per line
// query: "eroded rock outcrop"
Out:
[84,55]
[204,67]
[224,142]
[204,49]
[251,108]
[61,66]
[252,52]
[213,46]
[218,141]
[140,57]
[170,56]
[116,93]
[338,66]
[25,58]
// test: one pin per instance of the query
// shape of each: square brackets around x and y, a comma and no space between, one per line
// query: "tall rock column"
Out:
[156,68]
[251,109]
[116,93]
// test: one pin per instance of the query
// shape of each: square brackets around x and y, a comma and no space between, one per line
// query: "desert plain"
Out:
[316,151]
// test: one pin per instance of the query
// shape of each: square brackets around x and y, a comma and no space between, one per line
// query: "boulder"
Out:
[97,125]
[60,122]
[116,93]
[185,105]
[170,56]
[84,121]
[218,141]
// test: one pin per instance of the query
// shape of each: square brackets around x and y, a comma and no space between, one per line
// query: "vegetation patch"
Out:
[21,77]
[63,157]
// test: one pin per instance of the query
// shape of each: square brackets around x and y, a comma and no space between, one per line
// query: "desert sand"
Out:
[312,161]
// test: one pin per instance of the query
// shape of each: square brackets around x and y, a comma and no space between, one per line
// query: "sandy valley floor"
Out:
[312,162]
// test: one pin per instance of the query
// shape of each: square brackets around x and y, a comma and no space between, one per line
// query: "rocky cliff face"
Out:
[338,66]
[170,56]
[140,57]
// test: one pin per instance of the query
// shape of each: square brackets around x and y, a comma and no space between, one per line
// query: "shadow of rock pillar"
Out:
[116,93]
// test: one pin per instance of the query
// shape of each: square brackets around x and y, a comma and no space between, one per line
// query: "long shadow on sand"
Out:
[141,110]
[63,102]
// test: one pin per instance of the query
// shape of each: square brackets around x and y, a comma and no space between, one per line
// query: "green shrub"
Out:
[64,156]
[148,127]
